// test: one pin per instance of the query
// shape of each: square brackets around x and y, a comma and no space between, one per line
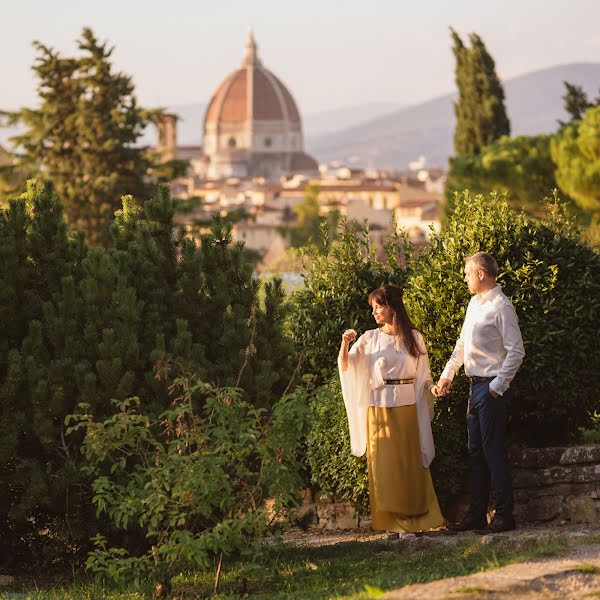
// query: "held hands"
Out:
[442,387]
[349,335]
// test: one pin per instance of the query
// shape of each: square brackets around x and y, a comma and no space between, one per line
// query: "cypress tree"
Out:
[480,112]
[575,101]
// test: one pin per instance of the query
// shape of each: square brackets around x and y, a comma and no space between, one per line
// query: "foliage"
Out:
[335,292]
[520,167]
[83,136]
[195,481]
[553,280]
[89,325]
[332,466]
[480,113]
[592,435]
[551,276]
[310,225]
[576,101]
[576,152]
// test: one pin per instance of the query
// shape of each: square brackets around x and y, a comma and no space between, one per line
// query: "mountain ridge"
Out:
[533,100]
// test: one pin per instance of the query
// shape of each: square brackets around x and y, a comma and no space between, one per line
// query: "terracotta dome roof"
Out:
[269,99]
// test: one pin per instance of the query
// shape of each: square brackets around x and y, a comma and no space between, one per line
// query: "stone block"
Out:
[582,509]
[535,457]
[307,496]
[365,522]
[571,474]
[581,454]
[307,507]
[560,489]
[522,496]
[323,498]
[520,513]
[524,478]
[337,515]
[545,508]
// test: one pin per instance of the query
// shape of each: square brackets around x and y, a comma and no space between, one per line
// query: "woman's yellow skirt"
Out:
[401,492]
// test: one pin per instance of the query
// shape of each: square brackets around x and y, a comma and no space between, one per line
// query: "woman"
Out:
[386,384]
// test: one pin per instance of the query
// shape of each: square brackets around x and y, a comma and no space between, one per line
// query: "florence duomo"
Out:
[252,127]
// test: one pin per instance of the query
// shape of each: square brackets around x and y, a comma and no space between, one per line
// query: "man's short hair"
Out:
[484,261]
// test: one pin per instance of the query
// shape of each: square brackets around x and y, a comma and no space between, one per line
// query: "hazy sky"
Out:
[330,53]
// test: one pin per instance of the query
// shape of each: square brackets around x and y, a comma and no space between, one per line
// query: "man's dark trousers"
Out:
[486,424]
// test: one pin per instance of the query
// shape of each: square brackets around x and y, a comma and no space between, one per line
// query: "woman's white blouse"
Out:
[374,357]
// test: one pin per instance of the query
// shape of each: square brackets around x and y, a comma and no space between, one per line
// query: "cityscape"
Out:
[300,301]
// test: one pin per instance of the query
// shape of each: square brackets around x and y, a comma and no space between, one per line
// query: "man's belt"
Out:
[398,381]
[476,379]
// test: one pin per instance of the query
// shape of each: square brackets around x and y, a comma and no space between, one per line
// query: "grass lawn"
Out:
[352,570]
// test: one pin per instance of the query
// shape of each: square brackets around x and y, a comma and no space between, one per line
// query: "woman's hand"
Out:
[349,335]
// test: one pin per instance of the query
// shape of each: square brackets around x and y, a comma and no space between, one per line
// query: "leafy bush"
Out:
[520,167]
[553,279]
[195,481]
[335,292]
[332,466]
[576,151]
[85,324]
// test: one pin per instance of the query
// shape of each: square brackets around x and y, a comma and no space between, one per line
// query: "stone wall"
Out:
[557,484]
[328,514]
[551,484]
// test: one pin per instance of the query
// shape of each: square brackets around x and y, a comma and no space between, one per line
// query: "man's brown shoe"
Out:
[498,525]
[468,523]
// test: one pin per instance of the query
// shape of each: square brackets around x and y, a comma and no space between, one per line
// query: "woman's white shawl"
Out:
[362,375]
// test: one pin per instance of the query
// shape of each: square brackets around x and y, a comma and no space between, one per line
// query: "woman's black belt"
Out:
[398,381]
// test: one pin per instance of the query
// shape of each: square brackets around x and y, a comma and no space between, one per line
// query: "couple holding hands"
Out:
[388,393]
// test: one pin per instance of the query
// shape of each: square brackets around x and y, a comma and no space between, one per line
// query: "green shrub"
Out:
[334,296]
[333,468]
[553,280]
[521,167]
[551,276]
[87,324]
[194,482]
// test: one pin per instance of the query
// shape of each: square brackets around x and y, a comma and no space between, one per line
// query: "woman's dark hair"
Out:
[391,296]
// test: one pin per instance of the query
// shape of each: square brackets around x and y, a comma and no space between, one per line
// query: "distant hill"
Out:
[534,104]
[381,134]
[189,127]
[329,121]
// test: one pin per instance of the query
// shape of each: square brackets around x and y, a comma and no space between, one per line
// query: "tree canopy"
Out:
[480,113]
[521,167]
[576,151]
[83,136]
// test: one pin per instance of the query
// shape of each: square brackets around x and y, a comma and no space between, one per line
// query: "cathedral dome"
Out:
[251,92]
[252,124]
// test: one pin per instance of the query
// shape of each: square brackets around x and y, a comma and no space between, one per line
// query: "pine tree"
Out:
[90,325]
[83,136]
[576,101]
[480,112]
[38,372]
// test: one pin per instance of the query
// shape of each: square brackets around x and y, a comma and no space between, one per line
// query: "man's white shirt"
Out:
[490,342]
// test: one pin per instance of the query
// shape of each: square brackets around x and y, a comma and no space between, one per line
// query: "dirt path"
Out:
[574,575]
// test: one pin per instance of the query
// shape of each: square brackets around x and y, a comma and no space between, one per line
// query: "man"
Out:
[491,348]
